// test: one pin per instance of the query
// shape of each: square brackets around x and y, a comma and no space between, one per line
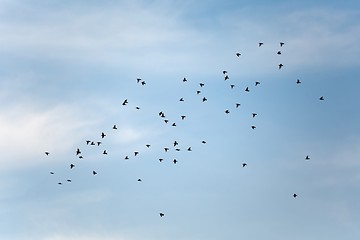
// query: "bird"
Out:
[166,149]
[161,159]
[203,142]
[138,80]
[247,89]
[226,77]
[51,173]
[253,127]
[139,180]
[257,83]
[175,143]
[238,54]
[184,80]
[227,111]
[137,108]
[183,117]
[81,157]
[69,180]
[189,149]
[175,161]
[198,92]
[126,157]
[125,102]
[174,125]
[78,151]
[47,153]
[278,53]
[237,105]
[204,99]
[201,84]
[280,65]
[92,143]
[254,115]
[143,83]
[94,173]
[98,143]
[105,152]
[59,183]
[232,86]
[260,44]
[281,44]
[298,81]
[72,166]
[307,157]
[147,145]
[103,135]
[114,127]
[295,195]
[87,142]
[177,149]
[166,121]
[224,72]
[161,214]
[136,153]
[321,98]
[244,164]
[181,99]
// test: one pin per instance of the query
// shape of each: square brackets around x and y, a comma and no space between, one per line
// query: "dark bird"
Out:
[125,102]
[69,180]
[181,99]
[247,89]
[176,143]
[232,86]
[98,143]
[81,157]
[280,65]
[237,105]
[94,173]
[198,92]
[143,83]
[161,114]
[166,121]
[126,157]
[47,153]
[138,80]
[253,127]
[189,149]
[87,142]
[166,149]
[254,115]
[257,83]
[92,143]
[307,158]
[184,80]
[204,99]
[224,72]
[147,145]
[321,98]
[244,164]
[295,195]
[174,125]
[105,152]
[298,81]
[161,159]
[136,153]
[227,111]
[278,53]
[137,108]
[201,84]
[238,54]
[78,152]
[260,44]
[226,77]
[51,172]
[161,214]
[175,161]
[203,142]
[281,44]
[59,183]
[139,180]
[103,135]
[183,117]
[177,149]
[114,127]
[72,166]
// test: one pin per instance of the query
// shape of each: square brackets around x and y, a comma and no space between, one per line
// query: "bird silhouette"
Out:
[238,54]
[321,98]
[177,149]
[166,121]
[257,83]
[125,102]
[198,92]
[147,145]
[136,153]
[126,157]
[280,65]
[307,158]
[72,166]
[161,159]
[114,127]
[166,149]
[174,125]
[47,153]
[254,115]
[94,173]
[69,180]
[161,214]
[181,99]
[175,143]
[189,149]
[203,141]
[244,164]
[92,143]
[260,44]
[232,86]
[247,89]
[51,173]
[237,105]
[87,142]
[137,108]
[227,111]
[175,161]
[59,183]
[143,83]
[105,152]
[253,127]
[139,180]
[184,80]
[81,157]
[298,81]
[281,44]
[201,84]
[224,72]
[295,195]
[226,77]
[183,117]
[204,99]
[98,143]
[103,135]
[138,80]
[278,53]
[78,151]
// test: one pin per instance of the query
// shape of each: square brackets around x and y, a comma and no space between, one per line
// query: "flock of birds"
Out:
[162,115]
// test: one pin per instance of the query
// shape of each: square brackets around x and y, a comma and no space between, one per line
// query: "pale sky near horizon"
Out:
[67,66]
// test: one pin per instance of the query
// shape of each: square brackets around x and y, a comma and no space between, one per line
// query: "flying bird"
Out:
[232,86]
[125,102]
[78,151]
[69,180]
[181,99]
[177,149]
[280,65]
[143,83]
[257,83]
[307,158]
[298,81]
[278,53]
[260,44]
[138,80]
[94,173]
[105,152]
[72,166]
[295,195]
[175,161]
[203,142]
[87,142]
[244,164]
[126,157]
[176,143]
[166,121]
[114,127]
[161,214]
[226,77]
[204,99]
[237,105]
[247,89]
[51,173]
[281,44]
[189,149]
[202,84]
[166,149]
[103,135]
[224,72]
[198,92]
[47,153]
[59,183]
[174,125]
[254,115]
[183,117]
[137,108]
[184,80]
[238,54]
[92,143]
[227,111]
[147,145]
[136,153]
[98,143]
[321,98]
[139,180]
[161,159]
[253,127]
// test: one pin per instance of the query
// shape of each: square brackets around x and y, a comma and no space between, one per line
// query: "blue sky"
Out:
[66,67]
